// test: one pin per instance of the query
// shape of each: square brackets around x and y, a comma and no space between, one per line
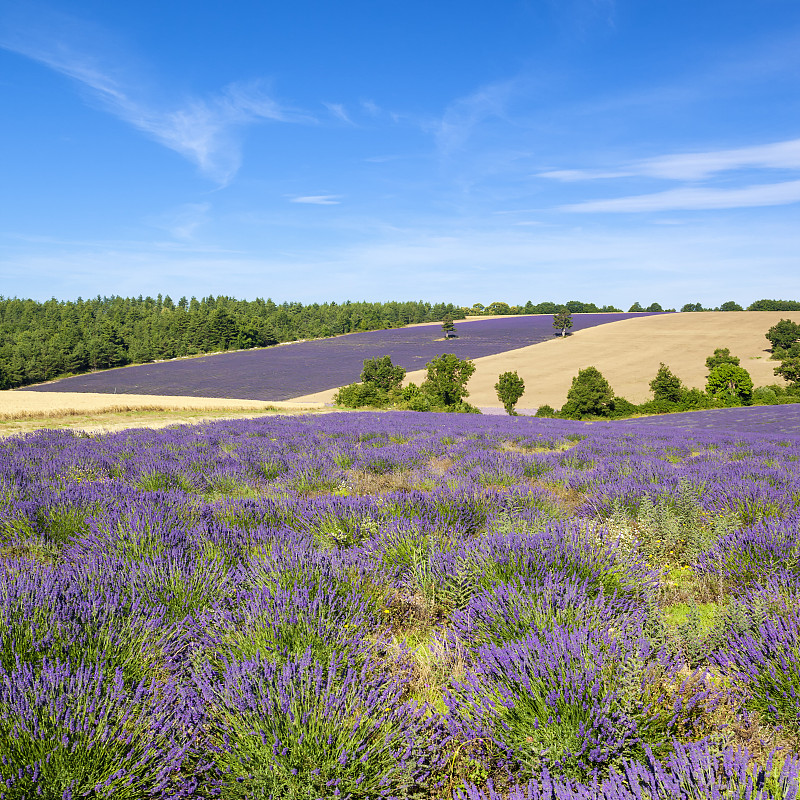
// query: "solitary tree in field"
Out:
[562,320]
[448,326]
[510,388]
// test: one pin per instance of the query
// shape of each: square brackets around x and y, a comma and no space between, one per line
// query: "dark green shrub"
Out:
[545,411]
[620,407]
[789,370]
[359,395]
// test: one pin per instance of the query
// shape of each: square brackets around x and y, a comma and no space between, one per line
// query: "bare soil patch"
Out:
[628,353]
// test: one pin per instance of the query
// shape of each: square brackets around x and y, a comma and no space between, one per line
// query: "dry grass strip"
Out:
[22,412]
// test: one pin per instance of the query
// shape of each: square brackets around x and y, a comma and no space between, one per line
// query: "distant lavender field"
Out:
[771,420]
[281,373]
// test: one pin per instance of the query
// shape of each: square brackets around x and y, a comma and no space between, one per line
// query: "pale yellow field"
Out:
[628,353]
[21,412]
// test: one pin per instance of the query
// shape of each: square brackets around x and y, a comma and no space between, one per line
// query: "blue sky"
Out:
[471,151]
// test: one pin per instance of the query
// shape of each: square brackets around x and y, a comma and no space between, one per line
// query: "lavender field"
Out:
[400,606]
[281,373]
[781,419]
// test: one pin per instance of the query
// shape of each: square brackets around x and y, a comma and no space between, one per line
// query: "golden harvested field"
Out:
[21,412]
[628,354]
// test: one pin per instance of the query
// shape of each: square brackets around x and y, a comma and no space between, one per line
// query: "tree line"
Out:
[40,341]
[579,307]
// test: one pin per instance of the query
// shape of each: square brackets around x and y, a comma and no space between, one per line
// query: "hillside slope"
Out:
[628,353]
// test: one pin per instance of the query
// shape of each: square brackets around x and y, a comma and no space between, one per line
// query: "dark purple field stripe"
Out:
[287,371]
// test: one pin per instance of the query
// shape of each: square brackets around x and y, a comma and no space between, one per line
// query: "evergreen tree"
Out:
[562,320]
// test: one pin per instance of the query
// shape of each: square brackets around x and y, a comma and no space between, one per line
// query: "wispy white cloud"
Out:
[572,175]
[318,199]
[693,199]
[204,130]
[695,166]
[338,111]
[373,109]
[463,115]
[182,223]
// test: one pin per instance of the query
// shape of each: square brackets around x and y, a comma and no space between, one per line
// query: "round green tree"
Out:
[382,374]
[447,378]
[783,334]
[729,382]
[590,394]
[510,388]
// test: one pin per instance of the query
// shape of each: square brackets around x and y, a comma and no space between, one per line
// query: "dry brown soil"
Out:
[628,354]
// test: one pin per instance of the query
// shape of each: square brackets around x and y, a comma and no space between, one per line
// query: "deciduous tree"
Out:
[590,393]
[722,355]
[783,334]
[447,378]
[510,388]
[382,374]
[789,370]
[731,382]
